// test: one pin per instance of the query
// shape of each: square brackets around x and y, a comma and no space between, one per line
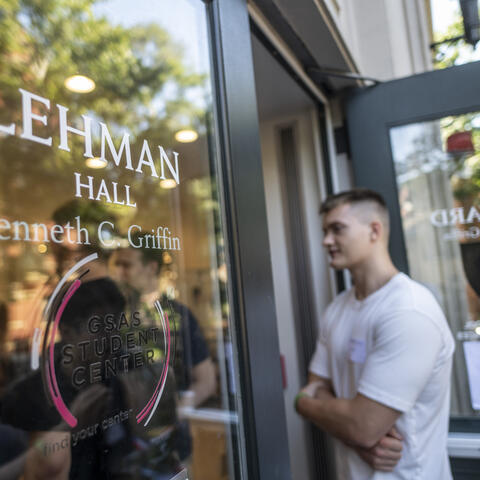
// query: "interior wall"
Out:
[313,192]
[298,434]
[282,103]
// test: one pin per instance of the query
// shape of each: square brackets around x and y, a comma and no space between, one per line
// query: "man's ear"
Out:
[376,230]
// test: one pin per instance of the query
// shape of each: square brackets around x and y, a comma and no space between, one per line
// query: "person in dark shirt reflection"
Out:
[56,451]
[139,271]
[25,406]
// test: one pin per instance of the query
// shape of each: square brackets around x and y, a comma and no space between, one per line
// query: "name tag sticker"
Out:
[357,350]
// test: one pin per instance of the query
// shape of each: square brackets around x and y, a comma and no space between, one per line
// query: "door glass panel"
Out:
[437,165]
[117,352]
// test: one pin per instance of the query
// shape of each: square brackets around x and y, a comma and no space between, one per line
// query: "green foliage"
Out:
[455,52]
[465,175]
[465,178]
[142,85]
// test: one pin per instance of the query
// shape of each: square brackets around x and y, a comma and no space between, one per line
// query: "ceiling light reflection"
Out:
[186,136]
[168,183]
[96,163]
[80,84]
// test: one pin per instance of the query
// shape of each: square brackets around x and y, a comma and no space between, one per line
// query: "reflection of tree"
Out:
[141,85]
[466,182]
[425,187]
[424,155]
[465,178]
[457,52]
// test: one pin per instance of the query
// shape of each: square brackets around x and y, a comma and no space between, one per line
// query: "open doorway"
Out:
[294,178]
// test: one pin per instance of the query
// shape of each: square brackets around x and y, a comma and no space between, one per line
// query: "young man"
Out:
[139,270]
[380,377]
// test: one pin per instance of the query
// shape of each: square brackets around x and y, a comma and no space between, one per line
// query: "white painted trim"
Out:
[285,51]
[332,153]
[336,35]
[321,176]
[317,146]
[463,445]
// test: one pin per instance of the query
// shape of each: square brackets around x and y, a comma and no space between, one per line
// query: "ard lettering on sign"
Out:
[453,216]
[85,187]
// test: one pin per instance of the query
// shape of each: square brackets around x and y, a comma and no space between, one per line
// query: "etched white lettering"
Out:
[164,159]
[28,117]
[65,128]
[124,146]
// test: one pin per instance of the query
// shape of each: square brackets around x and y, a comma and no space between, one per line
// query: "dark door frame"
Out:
[305,321]
[371,113]
[252,299]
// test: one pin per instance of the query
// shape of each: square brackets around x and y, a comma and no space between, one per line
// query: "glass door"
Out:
[416,141]
[437,167]
[117,350]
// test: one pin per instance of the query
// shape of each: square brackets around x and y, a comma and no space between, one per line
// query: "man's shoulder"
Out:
[407,295]
[415,307]
[402,294]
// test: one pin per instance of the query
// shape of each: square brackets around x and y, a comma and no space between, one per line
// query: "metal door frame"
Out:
[371,113]
[244,212]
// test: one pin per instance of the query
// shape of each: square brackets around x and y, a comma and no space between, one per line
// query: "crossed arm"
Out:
[361,423]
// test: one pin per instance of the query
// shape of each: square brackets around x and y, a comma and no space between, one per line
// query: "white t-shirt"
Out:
[394,347]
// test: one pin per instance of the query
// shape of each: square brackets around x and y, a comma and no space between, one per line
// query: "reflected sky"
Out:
[403,139]
[190,32]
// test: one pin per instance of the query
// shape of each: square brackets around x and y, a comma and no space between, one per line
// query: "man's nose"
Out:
[327,240]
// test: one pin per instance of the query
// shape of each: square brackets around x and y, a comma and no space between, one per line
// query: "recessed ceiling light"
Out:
[477,330]
[186,136]
[168,183]
[96,162]
[80,84]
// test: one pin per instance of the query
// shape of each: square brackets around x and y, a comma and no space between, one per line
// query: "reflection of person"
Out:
[380,377]
[24,405]
[90,399]
[139,269]
[70,250]
[99,374]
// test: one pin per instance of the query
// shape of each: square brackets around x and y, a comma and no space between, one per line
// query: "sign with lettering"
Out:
[110,192]
[458,216]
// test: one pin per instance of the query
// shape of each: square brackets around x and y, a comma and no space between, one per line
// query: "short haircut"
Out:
[357,196]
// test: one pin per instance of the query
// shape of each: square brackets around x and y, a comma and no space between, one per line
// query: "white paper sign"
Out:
[472,359]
